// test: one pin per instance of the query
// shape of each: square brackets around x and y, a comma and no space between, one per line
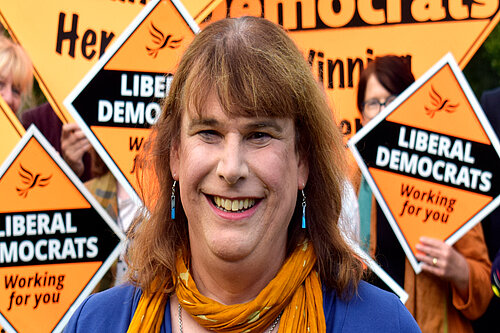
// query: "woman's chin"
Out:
[232,249]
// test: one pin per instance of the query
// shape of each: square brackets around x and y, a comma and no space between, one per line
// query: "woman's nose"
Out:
[232,165]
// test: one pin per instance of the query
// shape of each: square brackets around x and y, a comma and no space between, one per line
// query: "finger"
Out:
[434,265]
[78,134]
[428,259]
[72,143]
[73,137]
[431,241]
[432,269]
[77,151]
[67,129]
[80,142]
[428,250]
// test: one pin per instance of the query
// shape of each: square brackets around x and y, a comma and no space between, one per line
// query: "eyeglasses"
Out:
[373,106]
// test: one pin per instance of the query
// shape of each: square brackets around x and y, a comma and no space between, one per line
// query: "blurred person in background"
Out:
[454,285]
[16,85]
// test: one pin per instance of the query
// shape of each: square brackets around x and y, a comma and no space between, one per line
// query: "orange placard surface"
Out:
[35,175]
[39,292]
[445,109]
[123,155]
[431,159]
[11,129]
[120,98]
[339,38]
[422,208]
[56,241]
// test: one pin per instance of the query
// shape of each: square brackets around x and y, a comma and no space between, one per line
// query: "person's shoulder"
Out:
[43,109]
[489,98]
[109,310]
[370,309]
[491,92]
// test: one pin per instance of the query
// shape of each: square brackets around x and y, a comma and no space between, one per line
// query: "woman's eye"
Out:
[209,135]
[260,137]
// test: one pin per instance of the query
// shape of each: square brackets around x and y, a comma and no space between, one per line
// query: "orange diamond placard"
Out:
[432,159]
[56,241]
[120,98]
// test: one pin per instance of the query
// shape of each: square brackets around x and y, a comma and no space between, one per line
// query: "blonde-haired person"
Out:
[243,235]
[16,74]
[16,85]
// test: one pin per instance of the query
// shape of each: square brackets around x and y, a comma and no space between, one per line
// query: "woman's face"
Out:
[376,98]
[9,92]
[238,180]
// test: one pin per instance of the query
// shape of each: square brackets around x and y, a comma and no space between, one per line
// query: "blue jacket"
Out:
[372,310]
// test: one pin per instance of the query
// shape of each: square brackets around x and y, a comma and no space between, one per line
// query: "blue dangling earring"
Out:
[172,201]
[303,210]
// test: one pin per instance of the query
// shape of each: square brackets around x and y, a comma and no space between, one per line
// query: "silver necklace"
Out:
[276,321]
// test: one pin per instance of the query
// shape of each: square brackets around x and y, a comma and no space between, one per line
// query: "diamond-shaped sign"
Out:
[431,159]
[340,37]
[56,241]
[119,99]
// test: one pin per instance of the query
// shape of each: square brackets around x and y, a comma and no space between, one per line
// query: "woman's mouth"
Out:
[235,206]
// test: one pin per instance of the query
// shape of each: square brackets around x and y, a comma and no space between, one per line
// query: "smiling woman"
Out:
[245,150]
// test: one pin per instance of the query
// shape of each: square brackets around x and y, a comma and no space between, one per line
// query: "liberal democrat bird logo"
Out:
[31,181]
[439,104]
[161,41]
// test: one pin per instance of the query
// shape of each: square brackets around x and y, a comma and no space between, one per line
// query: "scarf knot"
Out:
[295,292]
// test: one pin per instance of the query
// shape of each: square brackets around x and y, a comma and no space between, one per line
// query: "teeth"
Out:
[234,205]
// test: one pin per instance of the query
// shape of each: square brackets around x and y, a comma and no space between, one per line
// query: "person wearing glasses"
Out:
[453,287]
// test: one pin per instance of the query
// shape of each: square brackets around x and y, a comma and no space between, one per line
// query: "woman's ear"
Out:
[174,161]
[303,172]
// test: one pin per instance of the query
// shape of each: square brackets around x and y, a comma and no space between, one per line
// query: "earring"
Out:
[172,201]
[303,210]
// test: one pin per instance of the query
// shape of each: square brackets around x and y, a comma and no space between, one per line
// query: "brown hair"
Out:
[255,69]
[393,72]
[14,61]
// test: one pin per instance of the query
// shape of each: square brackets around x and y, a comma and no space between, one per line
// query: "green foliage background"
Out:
[483,70]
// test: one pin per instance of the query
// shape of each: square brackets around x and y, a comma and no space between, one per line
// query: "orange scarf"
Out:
[295,292]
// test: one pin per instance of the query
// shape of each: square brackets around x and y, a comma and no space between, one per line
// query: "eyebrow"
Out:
[257,124]
[203,122]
